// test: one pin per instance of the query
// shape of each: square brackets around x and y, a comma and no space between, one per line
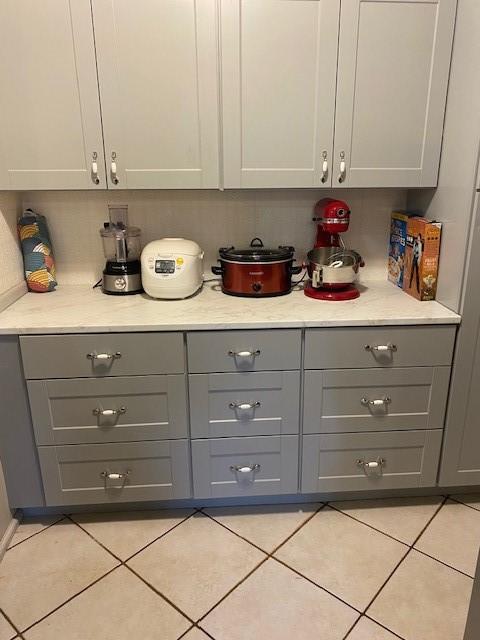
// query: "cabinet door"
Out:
[461,447]
[393,66]
[279,61]
[50,127]
[158,77]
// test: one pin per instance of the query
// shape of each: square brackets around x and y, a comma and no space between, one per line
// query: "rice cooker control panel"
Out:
[165,266]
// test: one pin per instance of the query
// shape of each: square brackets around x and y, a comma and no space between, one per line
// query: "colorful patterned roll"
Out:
[37,252]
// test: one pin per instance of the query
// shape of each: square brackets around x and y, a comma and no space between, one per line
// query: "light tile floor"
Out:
[357,570]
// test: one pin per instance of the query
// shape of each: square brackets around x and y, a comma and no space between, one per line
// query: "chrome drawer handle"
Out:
[244,406]
[108,475]
[104,356]
[246,469]
[109,412]
[372,468]
[381,347]
[377,402]
[244,354]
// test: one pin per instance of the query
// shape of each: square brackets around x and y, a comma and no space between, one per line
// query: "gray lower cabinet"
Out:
[228,467]
[244,404]
[339,401]
[365,347]
[121,472]
[229,351]
[102,354]
[90,410]
[362,461]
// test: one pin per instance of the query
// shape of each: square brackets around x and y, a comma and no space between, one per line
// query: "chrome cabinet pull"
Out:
[324,167]
[245,354]
[95,177]
[109,412]
[245,469]
[104,356]
[108,475]
[244,406]
[377,402]
[372,468]
[381,347]
[341,176]
[113,168]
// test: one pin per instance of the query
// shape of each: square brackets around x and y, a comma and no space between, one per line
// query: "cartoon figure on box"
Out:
[416,259]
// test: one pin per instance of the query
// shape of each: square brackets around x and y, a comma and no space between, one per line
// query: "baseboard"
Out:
[12,295]
[8,535]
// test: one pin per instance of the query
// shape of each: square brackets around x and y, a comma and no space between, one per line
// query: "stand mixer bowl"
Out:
[333,267]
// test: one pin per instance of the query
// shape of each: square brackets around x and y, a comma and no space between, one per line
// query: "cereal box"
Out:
[398,242]
[421,258]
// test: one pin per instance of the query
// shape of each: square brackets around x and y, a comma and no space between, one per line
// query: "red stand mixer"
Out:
[332,267]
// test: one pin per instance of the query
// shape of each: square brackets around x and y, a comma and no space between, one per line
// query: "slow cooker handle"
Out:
[218,271]
[295,269]
[256,242]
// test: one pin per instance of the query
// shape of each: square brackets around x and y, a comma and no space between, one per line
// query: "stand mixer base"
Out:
[348,293]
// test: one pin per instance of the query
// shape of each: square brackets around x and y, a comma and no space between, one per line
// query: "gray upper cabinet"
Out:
[51,135]
[461,448]
[157,71]
[393,67]
[279,62]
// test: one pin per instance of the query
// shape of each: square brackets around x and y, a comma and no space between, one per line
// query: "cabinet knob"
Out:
[113,168]
[373,467]
[324,167]
[245,469]
[95,177]
[377,402]
[341,175]
[108,475]
[109,412]
[244,406]
[245,354]
[104,356]
[381,347]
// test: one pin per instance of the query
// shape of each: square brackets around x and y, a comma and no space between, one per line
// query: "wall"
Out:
[212,218]
[452,202]
[11,272]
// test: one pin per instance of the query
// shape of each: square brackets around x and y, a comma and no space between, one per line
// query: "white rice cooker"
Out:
[172,268]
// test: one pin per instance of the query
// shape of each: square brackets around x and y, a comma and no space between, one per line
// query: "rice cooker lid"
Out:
[256,252]
[177,246]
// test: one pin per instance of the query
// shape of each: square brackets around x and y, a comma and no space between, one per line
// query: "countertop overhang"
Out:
[81,309]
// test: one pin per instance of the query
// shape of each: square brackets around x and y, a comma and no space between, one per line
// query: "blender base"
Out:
[348,293]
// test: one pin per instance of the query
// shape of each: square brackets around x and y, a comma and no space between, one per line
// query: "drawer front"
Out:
[244,404]
[75,474]
[357,348]
[375,399]
[109,409]
[102,354]
[353,461]
[218,351]
[228,467]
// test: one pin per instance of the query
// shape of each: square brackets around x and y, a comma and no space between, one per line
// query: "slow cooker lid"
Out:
[256,253]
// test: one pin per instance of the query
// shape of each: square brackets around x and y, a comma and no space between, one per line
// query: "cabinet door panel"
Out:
[157,64]
[50,109]
[393,67]
[278,73]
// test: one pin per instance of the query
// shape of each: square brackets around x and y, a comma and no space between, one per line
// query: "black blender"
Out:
[121,247]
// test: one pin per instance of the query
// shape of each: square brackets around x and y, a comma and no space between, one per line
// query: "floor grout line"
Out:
[37,533]
[384,627]
[445,564]
[14,626]
[464,504]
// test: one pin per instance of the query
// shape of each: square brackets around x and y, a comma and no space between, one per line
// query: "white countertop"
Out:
[81,309]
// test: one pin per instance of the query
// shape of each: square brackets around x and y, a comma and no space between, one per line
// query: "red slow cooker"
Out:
[256,272]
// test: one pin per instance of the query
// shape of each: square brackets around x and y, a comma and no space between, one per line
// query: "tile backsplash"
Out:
[213,219]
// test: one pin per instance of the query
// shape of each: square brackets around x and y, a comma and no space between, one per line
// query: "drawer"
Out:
[77,474]
[356,348]
[259,466]
[360,461]
[244,404]
[108,409]
[217,351]
[337,401]
[102,354]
